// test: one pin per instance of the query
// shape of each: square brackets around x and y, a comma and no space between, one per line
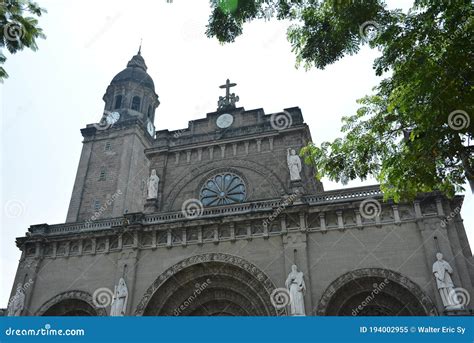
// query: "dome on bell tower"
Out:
[131,92]
[135,72]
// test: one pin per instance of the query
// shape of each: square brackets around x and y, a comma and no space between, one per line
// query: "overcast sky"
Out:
[53,93]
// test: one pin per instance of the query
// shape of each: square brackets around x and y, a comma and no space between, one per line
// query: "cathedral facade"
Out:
[223,218]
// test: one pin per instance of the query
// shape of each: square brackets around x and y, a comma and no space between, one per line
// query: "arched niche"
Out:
[374,292]
[212,284]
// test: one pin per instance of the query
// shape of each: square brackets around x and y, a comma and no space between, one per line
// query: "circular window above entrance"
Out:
[223,189]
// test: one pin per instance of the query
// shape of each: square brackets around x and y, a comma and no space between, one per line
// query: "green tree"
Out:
[18,28]
[414,134]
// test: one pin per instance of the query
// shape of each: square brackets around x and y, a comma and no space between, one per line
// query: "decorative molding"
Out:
[324,207]
[171,226]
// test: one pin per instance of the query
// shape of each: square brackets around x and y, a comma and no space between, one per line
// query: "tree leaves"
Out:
[18,30]
[405,134]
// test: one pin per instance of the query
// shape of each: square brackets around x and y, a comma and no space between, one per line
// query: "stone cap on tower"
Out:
[136,72]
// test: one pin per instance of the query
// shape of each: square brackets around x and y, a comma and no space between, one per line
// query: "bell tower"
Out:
[113,169]
[131,93]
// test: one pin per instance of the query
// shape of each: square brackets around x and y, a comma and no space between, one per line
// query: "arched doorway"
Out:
[374,292]
[211,284]
[72,303]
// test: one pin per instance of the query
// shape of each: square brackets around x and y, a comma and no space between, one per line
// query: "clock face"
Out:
[224,120]
[108,119]
[112,117]
[150,128]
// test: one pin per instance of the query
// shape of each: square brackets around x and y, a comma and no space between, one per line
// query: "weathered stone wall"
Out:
[185,159]
[126,169]
[328,235]
[325,241]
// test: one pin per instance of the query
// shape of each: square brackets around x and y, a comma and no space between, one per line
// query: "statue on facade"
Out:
[296,286]
[294,164]
[119,301]
[17,302]
[442,272]
[153,181]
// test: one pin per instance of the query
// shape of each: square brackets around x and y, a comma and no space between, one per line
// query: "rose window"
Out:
[223,189]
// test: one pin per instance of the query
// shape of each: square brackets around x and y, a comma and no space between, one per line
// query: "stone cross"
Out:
[230,99]
[227,87]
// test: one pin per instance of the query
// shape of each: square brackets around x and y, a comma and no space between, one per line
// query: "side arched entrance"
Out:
[374,292]
[71,303]
[213,284]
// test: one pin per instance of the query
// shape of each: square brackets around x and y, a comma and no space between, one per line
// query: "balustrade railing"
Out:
[335,196]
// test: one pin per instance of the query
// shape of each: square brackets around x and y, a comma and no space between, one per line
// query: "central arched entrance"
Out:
[210,285]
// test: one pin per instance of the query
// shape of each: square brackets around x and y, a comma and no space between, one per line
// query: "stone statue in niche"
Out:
[294,164]
[119,301]
[442,272]
[296,286]
[17,302]
[153,181]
